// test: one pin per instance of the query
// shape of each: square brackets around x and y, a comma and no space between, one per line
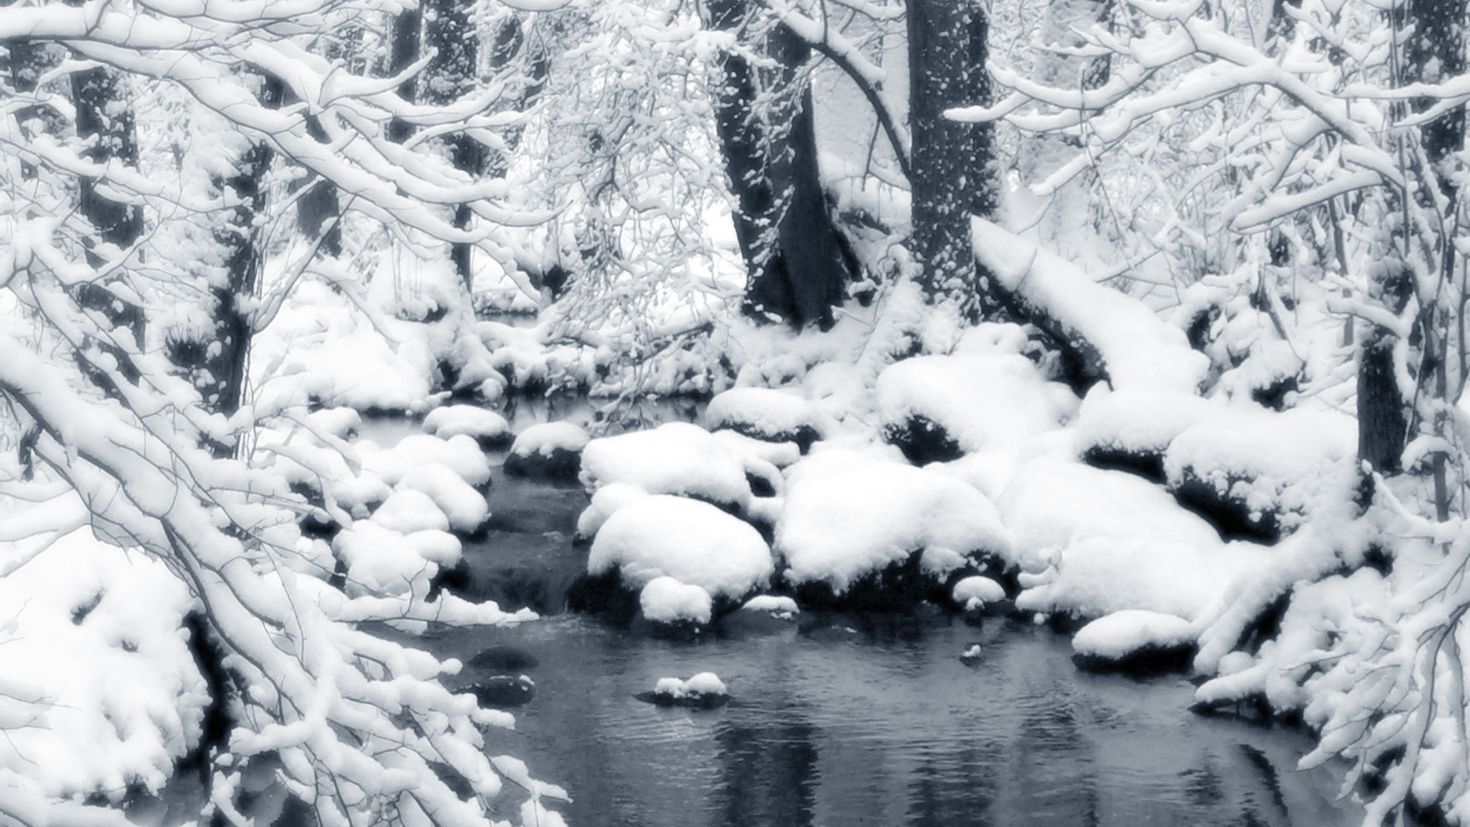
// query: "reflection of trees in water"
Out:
[769,767]
[956,789]
[1052,765]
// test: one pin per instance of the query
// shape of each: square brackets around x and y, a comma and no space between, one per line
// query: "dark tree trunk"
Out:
[1435,54]
[452,36]
[403,49]
[217,366]
[797,262]
[1383,414]
[952,162]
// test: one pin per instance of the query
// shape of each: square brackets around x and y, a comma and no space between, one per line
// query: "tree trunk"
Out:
[451,35]
[797,262]
[403,49]
[1383,414]
[952,162]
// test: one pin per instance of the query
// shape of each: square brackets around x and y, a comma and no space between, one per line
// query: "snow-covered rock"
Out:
[465,507]
[702,690]
[408,510]
[550,450]
[486,427]
[938,408]
[1258,472]
[773,604]
[976,592]
[891,531]
[1133,429]
[380,560]
[691,541]
[1134,640]
[666,600]
[765,414]
[605,501]
[677,458]
[460,454]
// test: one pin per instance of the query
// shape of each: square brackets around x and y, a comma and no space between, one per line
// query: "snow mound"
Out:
[666,600]
[1138,349]
[407,511]
[1134,428]
[1258,472]
[98,688]
[385,562]
[338,422]
[691,541]
[1129,633]
[1093,542]
[465,507]
[605,501]
[677,458]
[766,414]
[941,407]
[487,427]
[976,591]
[778,454]
[460,454]
[848,515]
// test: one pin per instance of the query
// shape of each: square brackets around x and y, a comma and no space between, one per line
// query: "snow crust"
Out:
[704,684]
[483,424]
[775,604]
[546,437]
[976,591]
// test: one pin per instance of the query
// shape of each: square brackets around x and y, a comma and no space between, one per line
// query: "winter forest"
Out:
[734,412]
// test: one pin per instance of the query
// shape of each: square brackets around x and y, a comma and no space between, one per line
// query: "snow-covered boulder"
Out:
[676,458]
[460,454]
[1256,472]
[668,602]
[1131,430]
[863,531]
[692,542]
[464,507]
[766,414]
[702,691]
[605,501]
[380,560]
[1134,641]
[408,510]
[939,408]
[550,450]
[486,427]
[975,592]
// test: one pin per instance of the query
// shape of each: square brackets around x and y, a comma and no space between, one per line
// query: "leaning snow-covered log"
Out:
[1109,335]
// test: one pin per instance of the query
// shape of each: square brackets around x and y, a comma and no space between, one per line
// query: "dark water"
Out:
[854,721]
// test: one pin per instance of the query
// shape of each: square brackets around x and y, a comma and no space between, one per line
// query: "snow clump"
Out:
[691,541]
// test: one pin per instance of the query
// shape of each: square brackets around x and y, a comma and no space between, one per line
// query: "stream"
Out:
[849,720]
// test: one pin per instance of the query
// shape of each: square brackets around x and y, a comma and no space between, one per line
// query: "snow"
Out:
[383,561]
[676,458]
[408,510]
[460,454]
[91,633]
[691,541]
[605,501]
[762,413]
[465,507]
[778,605]
[1094,542]
[486,426]
[1272,462]
[777,454]
[702,685]
[1139,422]
[980,401]
[976,591]
[848,514]
[1139,350]
[1125,633]
[666,600]
[547,437]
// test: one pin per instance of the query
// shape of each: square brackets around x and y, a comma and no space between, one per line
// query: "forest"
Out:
[726,412]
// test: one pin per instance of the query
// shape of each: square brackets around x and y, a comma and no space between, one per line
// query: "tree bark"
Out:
[798,264]
[953,174]
[452,72]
